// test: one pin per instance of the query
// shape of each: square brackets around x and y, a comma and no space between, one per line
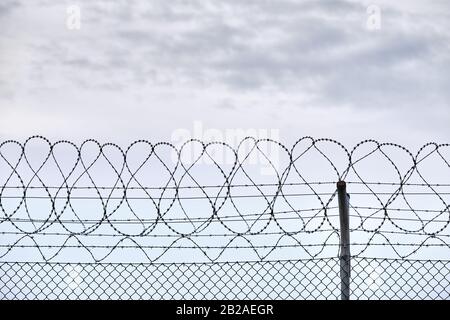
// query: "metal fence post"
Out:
[344,257]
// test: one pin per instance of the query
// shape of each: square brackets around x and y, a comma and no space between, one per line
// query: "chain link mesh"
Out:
[300,279]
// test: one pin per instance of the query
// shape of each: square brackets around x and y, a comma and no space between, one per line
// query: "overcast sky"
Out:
[141,69]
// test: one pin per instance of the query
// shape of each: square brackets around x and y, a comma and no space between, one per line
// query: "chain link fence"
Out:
[316,279]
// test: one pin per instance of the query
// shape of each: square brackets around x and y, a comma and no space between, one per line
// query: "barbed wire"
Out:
[212,190]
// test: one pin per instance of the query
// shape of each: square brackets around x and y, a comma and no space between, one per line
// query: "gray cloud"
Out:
[284,44]
[7,5]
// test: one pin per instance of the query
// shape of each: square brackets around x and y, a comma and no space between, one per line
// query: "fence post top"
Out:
[341,184]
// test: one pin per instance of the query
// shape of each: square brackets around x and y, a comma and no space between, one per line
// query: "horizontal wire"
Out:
[399,219]
[175,187]
[357,259]
[225,185]
[186,220]
[401,209]
[225,218]
[228,216]
[194,235]
[400,184]
[225,247]
[167,198]
[219,196]
[410,233]
[180,219]
[291,233]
